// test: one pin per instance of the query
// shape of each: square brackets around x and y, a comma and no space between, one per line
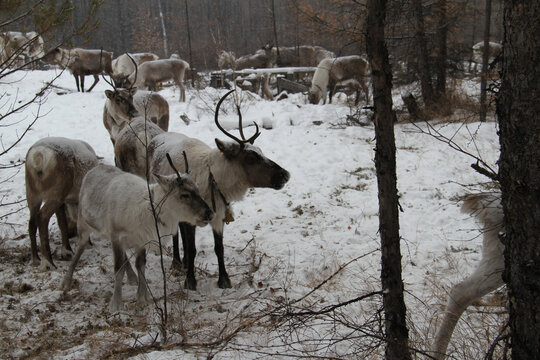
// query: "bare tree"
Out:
[485,65]
[397,337]
[518,111]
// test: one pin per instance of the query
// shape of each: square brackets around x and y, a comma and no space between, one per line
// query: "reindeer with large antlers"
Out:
[223,175]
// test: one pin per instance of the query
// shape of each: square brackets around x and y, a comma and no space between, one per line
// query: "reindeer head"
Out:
[122,98]
[122,101]
[259,171]
[184,196]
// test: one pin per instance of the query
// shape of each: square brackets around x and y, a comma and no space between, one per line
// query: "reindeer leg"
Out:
[67,252]
[182,96]
[82,82]
[45,213]
[223,282]
[486,278]
[119,269]
[32,229]
[96,79]
[190,251]
[77,82]
[176,265]
[143,296]
[84,237]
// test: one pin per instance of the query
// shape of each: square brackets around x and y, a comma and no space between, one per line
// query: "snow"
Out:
[280,247]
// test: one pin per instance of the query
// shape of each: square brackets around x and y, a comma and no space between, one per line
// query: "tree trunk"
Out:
[275,33]
[423,63]
[442,54]
[163,30]
[518,111]
[385,163]
[189,45]
[485,64]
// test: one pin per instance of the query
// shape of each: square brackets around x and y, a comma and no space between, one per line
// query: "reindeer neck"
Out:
[228,176]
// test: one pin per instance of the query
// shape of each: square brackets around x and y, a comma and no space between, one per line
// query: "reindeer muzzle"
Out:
[280,179]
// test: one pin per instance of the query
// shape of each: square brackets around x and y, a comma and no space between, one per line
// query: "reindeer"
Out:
[487,276]
[263,58]
[123,105]
[302,56]
[223,175]
[126,64]
[152,72]
[82,62]
[54,170]
[494,51]
[334,70]
[20,49]
[131,147]
[118,206]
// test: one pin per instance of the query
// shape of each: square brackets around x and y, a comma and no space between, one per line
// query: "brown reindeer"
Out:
[18,48]
[123,105]
[302,56]
[82,62]
[54,170]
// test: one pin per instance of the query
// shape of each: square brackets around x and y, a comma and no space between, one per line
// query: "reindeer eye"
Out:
[184,196]
[251,158]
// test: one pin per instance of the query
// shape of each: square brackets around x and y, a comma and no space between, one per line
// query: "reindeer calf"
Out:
[54,170]
[116,205]
[487,276]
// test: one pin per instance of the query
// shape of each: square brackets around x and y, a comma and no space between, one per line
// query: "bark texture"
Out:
[385,163]
[518,109]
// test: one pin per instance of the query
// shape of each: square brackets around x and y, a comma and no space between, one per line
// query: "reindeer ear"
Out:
[229,149]
[162,180]
[109,94]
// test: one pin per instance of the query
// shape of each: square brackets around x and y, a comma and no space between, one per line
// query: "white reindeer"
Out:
[331,71]
[116,205]
[126,64]
[54,170]
[152,72]
[487,276]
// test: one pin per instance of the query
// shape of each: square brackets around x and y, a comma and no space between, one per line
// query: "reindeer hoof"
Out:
[116,306]
[224,283]
[177,268]
[35,261]
[65,285]
[190,284]
[66,254]
[46,265]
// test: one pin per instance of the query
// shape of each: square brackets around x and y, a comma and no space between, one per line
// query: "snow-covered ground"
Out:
[282,246]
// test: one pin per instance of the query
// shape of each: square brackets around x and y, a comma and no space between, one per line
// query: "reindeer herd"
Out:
[191,184]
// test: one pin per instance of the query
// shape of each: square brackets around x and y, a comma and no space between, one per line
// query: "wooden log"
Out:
[290,86]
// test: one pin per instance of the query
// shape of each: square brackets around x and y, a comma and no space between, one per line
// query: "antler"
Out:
[136,71]
[172,165]
[100,66]
[185,160]
[251,140]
